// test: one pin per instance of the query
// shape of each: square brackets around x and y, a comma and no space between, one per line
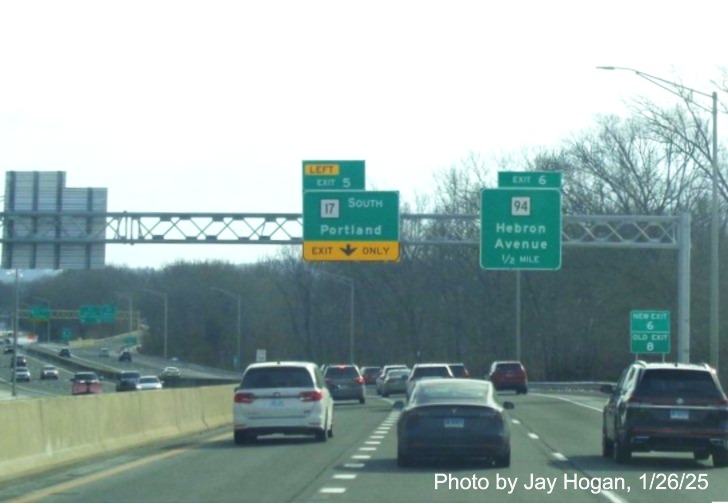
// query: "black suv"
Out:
[128,381]
[125,356]
[666,407]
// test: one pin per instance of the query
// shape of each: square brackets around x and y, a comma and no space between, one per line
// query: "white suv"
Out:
[282,398]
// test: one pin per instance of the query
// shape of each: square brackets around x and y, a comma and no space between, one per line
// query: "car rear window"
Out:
[129,376]
[441,371]
[342,372]
[671,382]
[85,377]
[278,377]
[509,367]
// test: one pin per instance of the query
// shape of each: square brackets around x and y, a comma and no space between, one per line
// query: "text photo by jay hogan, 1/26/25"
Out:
[571,481]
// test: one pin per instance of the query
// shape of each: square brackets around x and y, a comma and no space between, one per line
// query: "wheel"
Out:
[720,457]
[701,454]
[524,390]
[504,460]
[330,432]
[385,394]
[362,400]
[321,435]
[240,437]
[622,453]
[607,446]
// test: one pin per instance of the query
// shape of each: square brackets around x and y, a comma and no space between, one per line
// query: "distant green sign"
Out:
[97,314]
[40,313]
[131,340]
[66,334]
[649,331]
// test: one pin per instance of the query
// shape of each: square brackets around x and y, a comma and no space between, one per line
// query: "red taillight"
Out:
[312,396]
[244,397]
[359,380]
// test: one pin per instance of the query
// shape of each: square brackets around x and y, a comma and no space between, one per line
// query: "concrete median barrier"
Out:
[41,434]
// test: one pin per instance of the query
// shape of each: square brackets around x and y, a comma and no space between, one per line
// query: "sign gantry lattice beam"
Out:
[287,229]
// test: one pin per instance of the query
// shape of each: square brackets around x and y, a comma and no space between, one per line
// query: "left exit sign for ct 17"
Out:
[327,175]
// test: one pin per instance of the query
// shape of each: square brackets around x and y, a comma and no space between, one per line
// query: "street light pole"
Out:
[130,307]
[714,221]
[163,296]
[350,282]
[48,324]
[239,299]
[14,388]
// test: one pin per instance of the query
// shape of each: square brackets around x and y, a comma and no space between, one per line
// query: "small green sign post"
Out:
[520,229]
[649,332]
[66,334]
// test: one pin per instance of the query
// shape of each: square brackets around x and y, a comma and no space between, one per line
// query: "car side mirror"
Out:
[607,389]
[398,405]
[508,405]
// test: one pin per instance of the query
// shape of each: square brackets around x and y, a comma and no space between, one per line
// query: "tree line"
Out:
[436,303]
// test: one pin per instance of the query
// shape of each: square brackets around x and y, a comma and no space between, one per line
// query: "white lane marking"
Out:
[517,422]
[376,437]
[345,476]
[532,435]
[559,456]
[367,448]
[361,457]
[381,432]
[569,401]
[351,465]
[332,490]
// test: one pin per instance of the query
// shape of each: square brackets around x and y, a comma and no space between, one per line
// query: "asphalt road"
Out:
[556,445]
[142,363]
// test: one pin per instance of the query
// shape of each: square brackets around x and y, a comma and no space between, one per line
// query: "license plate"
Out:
[679,414]
[454,423]
[276,403]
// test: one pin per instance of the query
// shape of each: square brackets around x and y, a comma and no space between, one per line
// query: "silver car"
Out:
[426,371]
[149,382]
[282,398]
[395,382]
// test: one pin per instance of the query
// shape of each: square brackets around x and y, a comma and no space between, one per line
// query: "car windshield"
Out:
[398,373]
[148,379]
[85,377]
[672,382]
[129,376]
[277,377]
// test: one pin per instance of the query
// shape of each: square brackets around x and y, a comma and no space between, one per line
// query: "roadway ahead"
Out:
[555,438]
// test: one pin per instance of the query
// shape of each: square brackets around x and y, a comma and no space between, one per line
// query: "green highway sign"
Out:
[542,180]
[40,313]
[649,331]
[520,229]
[131,340]
[66,334]
[351,225]
[97,314]
[327,175]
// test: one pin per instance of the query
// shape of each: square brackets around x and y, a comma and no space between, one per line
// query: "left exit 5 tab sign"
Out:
[351,225]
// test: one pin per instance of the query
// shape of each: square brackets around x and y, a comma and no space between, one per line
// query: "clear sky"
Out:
[211,106]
